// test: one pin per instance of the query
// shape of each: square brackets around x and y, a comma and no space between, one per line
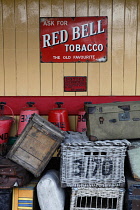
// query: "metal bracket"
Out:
[124,116]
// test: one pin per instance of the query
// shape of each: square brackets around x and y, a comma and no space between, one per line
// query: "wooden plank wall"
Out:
[22,74]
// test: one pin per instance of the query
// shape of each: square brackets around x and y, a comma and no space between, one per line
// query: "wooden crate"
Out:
[36,145]
[97,198]
[25,197]
[96,164]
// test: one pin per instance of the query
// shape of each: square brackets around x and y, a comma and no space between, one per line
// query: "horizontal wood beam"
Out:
[71,103]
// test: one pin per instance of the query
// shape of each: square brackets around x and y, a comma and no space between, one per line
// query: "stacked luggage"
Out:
[119,120]
[91,163]
[94,171]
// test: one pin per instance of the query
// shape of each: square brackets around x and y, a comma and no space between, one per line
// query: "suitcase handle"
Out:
[125,107]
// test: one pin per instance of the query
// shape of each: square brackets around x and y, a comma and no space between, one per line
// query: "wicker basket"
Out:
[94,164]
[97,198]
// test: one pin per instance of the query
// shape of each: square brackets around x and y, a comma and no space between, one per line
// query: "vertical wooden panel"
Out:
[45,8]
[130,47]
[46,79]
[105,68]
[69,68]
[58,79]
[57,8]
[21,47]
[57,11]
[93,68]
[69,8]
[9,47]
[33,48]
[138,52]
[118,47]
[81,68]
[1,53]
[46,68]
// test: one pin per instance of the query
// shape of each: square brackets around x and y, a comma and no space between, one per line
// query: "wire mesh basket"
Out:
[94,164]
[97,198]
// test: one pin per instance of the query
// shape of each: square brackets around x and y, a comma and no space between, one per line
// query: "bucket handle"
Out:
[2,104]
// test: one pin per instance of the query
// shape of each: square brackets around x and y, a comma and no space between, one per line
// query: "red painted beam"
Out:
[71,103]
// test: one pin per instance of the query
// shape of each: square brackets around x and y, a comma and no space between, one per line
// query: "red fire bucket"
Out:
[59,117]
[25,115]
[81,123]
[5,127]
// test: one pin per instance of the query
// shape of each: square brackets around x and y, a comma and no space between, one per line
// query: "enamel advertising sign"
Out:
[77,39]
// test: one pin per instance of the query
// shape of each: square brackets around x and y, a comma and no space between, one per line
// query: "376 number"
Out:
[105,166]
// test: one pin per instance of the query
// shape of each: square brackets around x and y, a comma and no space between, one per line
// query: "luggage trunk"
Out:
[5,199]
[132,196]
[118,120]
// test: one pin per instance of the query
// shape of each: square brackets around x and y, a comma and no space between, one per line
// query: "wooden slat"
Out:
[9,47]
[46,79]
[93,68]
[58,68]
[46,68]
[1,52]
[81,68]
[21,47]
[57,8]
[138,52]
[58,79]
[45,8]
[69,8]
[69,68]
[118,47]
[81,8]
[33,48]
[130,47]
[105,68]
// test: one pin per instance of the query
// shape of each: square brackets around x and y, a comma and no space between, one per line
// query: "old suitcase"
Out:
[116,120]
[6,199]
[36,145]
[132,195]
[25,197]
[133,158]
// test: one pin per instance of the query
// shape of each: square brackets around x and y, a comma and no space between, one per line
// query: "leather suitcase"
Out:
[6,199]
[132,194]
[118,120]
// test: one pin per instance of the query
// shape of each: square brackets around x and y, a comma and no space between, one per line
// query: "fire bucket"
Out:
[25,115]
[5,127]
[59,117]
[81,122]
